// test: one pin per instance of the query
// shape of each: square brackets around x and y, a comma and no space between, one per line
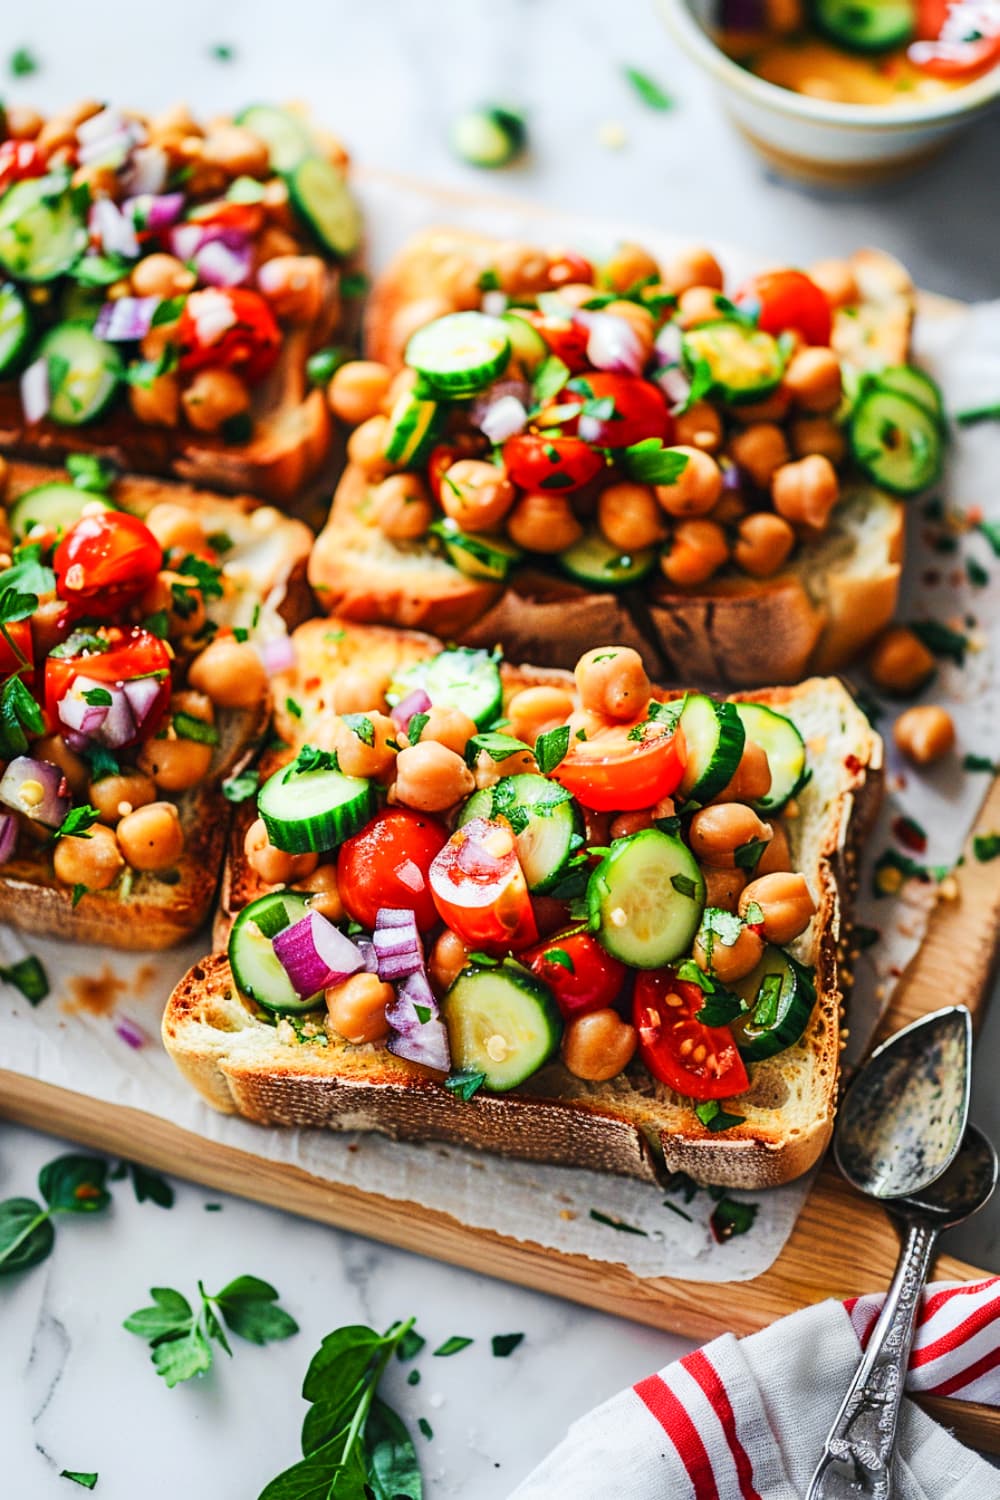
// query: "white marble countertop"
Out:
[77,1392]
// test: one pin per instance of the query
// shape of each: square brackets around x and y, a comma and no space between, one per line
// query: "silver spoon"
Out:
[902,1138]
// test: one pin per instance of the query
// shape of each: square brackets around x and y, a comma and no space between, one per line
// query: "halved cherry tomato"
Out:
[542,463]
[701,1062]
[228,327]
[113,654]
[479,888]
[247,218]
[941,56]
[388,864]
[570,267]
[579,973]
[441,459]
[639,411]
[17,649]
[564,336]
[104,561]
[788,302]
[20,160]
[611,772]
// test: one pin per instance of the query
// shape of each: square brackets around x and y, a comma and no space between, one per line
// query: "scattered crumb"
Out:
[566,1213]
[948,889]
[612,135]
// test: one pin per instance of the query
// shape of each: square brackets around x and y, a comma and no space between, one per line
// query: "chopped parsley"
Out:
[715,1118]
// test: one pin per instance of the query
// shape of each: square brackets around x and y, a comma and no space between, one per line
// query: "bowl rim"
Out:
[699,45]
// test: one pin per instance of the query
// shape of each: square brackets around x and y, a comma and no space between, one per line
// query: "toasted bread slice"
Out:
[632,1125]
[265,565]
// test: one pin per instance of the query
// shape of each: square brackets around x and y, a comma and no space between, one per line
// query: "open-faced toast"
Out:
[165,284]
[241,1061]
[835,585]
[256,591]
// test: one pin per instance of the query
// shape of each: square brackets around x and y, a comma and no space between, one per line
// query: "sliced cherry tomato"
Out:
[441,459]
[701,1062]
[230,328]
[956,61]
[18,161]
[479,888]
[638,411]
[387,864]
[113,654]
[564,336]
[247,218]
[17,648]
[788,302]
[104,561]
[579,973]
[931,16]
[541,463]
[623,767]
[567,267]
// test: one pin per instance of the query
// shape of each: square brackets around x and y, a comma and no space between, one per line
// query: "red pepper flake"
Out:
[852,763]
[312,683]
[974,515]
[910,834]
[86,1190]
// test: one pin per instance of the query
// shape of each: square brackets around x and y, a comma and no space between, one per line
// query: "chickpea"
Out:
[158,597]
[214,397]
[152,838]
[698,549]
[275,240]
[449,727]
[366,447]
[59,131]
[356,756]
[723,887]
[629,516]
[696,489]
[231,673]
[900,663]
[805,491]
[836,279]
[430,778]
[777,856]
[402,507]
[489,771]
[773,408]
[356,1008]
[628,823]
[117,795]
[694,267]
[447,960]
[728,962]
[274,866]
[476,494]
[542,522]
[628,264]
[698,305]
[764,543]
[173,526]
[295,286]
[53,748]
[612,682]
[236,151]
[534,710]
[23,122]
[818,435]
[324,893]
[718,831]
[157,404]
[759,450]
[93,860]
[596,827]
[175,764]
[813,378]
[752,778]
[161,275]
[699,427]
[786,904]
[598,1045]
[924,734]
[576,293]
[358,390]
[356,690]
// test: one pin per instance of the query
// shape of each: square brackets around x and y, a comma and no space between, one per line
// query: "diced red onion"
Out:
[494,303]
[504,418]
[508,385]
[108,137]
[417,1040]
[417,702]
[394,916]
[142,694]
[130,1033]
[397,943]
[186,239]
[220,263]
[48,805]
[212,314]
[147,174]
[368,955]
[35,391]
[154,211]
[114,229]
[742,15]
[126,320]
[732,477]
[77,714]
[613,344]
[110,724]
[8,836]
[667,345]
[118,728]
[315,954]
[277,654]
[674,384]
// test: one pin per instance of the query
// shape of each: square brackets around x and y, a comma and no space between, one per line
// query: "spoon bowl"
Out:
[962,1189]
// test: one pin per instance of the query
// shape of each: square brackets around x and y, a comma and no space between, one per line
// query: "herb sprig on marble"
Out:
[180,1336]
[69,1185]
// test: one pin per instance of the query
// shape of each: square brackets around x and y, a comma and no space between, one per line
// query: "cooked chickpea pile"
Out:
[760,477]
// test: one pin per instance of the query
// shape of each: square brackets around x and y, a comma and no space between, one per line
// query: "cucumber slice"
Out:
[460,353]
[744,364]
[593,560]
[287,138]
[257,972]
[546,821]
[780,1011]
[56,506]
[319,192]
[461,677]
[414,424]
[866,25]
[907,380]
[785,750]
[645,899]
[896,442]
[84,373]
[489,137]
[15,328]
[490,558]
[527,344]
[42,233]
[501,1022]
[315,811]
[714,737]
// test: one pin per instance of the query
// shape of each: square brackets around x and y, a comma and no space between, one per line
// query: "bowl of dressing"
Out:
[845,92]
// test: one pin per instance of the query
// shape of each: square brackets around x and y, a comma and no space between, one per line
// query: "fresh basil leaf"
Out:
[416,727]
[85,1481]
[362,726]
[26,1235]
[648,90]
[986,846]
[747,855]
[334,1354]
[714,1117]
[240,788]
[550,377]
[453,1345]
[497,746]
[941,640]
[393,1470]
[75,1184]
[77,823]
[649,462]
[505,1343]
[168,311]
[250,1308]
[98,697]
[28,976]
[720,1008]
[730,1217]
[189,727]
[561,957]
[90,473]
[150,1186]
[551,748]
[170,1315]
[311,759]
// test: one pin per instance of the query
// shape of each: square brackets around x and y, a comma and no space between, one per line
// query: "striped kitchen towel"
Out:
[746,1419]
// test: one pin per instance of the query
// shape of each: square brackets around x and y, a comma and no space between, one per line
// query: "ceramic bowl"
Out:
[837,144]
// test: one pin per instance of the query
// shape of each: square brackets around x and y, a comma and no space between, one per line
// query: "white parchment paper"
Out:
[116,1055]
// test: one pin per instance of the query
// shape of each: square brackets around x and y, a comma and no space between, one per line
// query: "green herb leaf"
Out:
[986,846]
[720,1008]
[75,1184]
[85,1481]
[988,413]
[362,726]
[77,823]
[101,762]
[354,284]
[550,377]
[149,1185]
[620,1224]
[714,1117]
[393,1468]
[26,1235]
[79,891]
[497,746]
[20,717]
[649,462]
[730,1217]
[242,787]
[183,1357]
[324,364]
[551,748]
[747,855]
[680,1182]
[29,976]
[416,727]
[504,1344]
[561,957]
[249,1307]
[168,311]
[980,763]
[23,63]
[425,1428]
[941,639]
[97,697]
[410,1345]
[453,1345]
[91,473]
[311,759]
[222,52]
[648,90]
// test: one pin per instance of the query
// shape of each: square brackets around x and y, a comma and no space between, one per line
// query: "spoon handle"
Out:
[857,1459]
